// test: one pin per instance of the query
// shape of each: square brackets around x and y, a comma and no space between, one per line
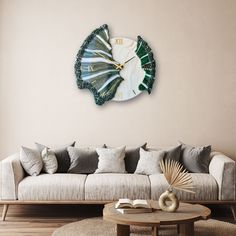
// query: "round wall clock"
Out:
[114,69]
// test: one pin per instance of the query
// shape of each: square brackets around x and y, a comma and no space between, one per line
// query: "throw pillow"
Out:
[195,159]
[148,163]
[173,153]
[31,161]
[83,160]
[49,161]
[62,156]
[132,157]
[111,160]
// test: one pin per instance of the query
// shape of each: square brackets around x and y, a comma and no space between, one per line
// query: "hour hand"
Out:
[117,64]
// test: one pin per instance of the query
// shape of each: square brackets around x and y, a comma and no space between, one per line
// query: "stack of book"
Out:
[127,206]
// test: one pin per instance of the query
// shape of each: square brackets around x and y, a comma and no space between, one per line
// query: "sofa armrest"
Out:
[222,168]
[11,174]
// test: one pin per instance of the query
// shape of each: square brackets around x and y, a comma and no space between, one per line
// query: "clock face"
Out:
[123,51]
[114,69]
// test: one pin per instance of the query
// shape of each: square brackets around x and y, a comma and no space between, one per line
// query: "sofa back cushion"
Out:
[195,159]
[111,160]
[62,156]
[31,161]
[149,162]
[132,157]
[83,160]
[50,164]
[173,153]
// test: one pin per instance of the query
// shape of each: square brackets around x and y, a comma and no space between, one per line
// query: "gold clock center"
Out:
[119,67]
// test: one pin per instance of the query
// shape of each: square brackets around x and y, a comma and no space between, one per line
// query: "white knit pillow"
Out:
[111,160]
[50,164]
[31,160]
[149,162]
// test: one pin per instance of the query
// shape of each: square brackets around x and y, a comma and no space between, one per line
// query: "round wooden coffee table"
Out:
[184,218]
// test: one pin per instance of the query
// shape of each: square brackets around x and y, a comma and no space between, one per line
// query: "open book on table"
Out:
[138,203]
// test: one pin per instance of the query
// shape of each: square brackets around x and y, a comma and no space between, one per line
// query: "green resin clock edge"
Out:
[99,100]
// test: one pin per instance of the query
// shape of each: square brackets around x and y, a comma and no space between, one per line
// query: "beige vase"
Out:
[168,201]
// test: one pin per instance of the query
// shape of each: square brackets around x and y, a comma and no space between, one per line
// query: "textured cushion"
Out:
[132,157]
[52,187]
[114,186]
[148,163]
[205,187]
[83,160]
[49,161]
[62,156]
[31,160]
[111,160]
[195,159]
[173,153]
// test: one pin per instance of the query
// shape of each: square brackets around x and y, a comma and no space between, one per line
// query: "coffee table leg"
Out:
[123,230]
[154,231]
[186,229]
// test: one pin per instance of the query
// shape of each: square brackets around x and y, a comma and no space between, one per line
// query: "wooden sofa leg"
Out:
[232,207]
[4,211]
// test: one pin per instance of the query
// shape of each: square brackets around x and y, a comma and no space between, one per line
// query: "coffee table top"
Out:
[186,213]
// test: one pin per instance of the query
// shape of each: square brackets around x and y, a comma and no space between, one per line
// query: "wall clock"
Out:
[116,69]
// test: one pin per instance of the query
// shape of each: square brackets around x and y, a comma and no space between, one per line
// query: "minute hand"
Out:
[129,59]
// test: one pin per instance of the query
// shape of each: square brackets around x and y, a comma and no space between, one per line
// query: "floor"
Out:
[42,220]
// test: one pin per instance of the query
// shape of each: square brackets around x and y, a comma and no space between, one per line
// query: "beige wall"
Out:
[194,99]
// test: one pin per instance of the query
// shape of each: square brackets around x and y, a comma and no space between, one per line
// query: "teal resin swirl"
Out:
[95,68]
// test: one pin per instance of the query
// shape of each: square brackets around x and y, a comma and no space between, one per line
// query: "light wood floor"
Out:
[42,220]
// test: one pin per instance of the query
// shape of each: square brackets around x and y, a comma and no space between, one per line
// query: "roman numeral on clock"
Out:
[119,41]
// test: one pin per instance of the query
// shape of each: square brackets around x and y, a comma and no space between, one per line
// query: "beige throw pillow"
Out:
[31,161]
[149,162]
[50,164]
[111,160]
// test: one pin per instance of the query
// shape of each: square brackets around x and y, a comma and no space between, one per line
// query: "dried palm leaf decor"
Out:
[177,178]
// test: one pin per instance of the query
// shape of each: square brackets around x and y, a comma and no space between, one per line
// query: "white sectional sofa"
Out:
[219,186]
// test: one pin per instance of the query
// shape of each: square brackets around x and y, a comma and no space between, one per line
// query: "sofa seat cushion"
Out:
[205,187]
[108,187]
[52,187]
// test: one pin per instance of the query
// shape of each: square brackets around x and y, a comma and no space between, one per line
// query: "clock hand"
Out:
[118,65]
[113,62]
[129,59]
[121,66]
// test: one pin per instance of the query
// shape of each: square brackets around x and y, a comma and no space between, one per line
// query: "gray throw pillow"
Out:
[173,153]
[83,160]
[49,161]
[63,159]
[111,160]
[132,157]
[31,161]
[195,159]
[149,162]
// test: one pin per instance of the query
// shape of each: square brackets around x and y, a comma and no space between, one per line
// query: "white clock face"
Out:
[123,49]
